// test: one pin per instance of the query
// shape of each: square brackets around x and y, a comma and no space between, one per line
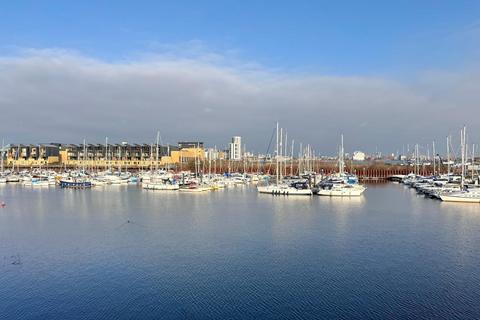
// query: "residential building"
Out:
[235,148]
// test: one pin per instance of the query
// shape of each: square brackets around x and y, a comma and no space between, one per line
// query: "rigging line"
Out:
[271,139]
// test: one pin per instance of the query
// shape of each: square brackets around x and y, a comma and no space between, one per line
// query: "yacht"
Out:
[194,187]
[281,187]
[12,178]
[76,183]
[295,189]
[342,184]
[161,184]
[341,190]
[461,196]
[466,194]
[76,180]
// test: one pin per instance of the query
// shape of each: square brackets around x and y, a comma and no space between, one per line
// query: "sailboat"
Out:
[12,176]
[281,188]
[77,180]
[465,194]
[3,179]
[341,184]
[197,184]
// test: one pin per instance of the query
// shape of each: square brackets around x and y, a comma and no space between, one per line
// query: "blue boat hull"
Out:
[72,184]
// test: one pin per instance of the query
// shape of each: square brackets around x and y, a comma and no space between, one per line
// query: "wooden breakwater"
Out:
[370,171]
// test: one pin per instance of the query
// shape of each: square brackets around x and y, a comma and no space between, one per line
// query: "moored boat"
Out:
[342,190]
[75,183]
[461,196]
[342,184]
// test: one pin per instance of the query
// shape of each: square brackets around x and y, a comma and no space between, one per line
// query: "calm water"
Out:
[233,254]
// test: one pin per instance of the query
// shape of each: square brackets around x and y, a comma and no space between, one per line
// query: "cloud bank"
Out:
[57,95]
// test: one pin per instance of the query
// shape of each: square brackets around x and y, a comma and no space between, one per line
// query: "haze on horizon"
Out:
[383,74]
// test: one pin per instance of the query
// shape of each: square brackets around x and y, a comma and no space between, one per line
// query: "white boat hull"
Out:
[160,186]
[461,197]
[287,191]
[40,184]
[192,190]
[97,183]
[347,192]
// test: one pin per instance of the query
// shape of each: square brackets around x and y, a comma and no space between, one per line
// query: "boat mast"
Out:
[203,163]
[151,157]
[156,161]
[243,157]
[280,148]
[291,158]
[215,160]
[417,160]
[110,157]
[340,158]
[448,157]
[285,154]
[310,159]
[209,154]
[106,149]
[462,136]
[473,158]
[276,160]
[434,168]
[300,159]
[84,155]
[1,155]
[15,156]
[197,160]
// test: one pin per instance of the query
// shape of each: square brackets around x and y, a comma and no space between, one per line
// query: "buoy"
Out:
[3,204]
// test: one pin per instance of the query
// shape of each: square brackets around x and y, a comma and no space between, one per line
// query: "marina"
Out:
[458,184]
[450,180]
[239,160]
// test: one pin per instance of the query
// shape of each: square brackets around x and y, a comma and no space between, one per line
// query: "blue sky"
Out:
[335,37]
[384,73]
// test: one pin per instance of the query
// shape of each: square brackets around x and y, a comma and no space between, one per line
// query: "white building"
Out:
[358,156]
[211,154]
[235,148]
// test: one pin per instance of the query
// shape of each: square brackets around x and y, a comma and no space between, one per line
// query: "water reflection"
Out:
[343,204]
[174,251]
[461,208]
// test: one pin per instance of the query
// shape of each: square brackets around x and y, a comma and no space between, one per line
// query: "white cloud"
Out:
[59,95]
